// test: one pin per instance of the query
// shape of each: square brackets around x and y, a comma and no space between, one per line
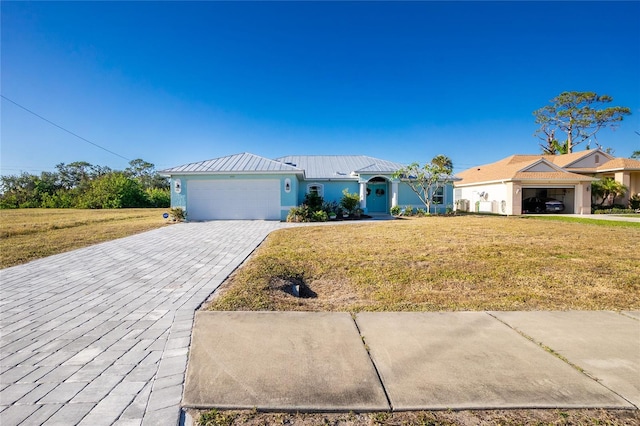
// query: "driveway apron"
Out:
[100,335]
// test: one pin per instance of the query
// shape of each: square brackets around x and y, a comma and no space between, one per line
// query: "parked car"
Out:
[542,205]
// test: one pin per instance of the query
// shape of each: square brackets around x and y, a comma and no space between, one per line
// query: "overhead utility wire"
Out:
[62,128]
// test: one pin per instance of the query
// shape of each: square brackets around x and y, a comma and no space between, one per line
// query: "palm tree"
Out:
[607,189]
[443,162]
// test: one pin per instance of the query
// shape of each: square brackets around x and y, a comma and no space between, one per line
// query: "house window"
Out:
[315,188]
[438,196]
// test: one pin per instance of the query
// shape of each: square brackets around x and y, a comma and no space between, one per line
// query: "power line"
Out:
[62,128]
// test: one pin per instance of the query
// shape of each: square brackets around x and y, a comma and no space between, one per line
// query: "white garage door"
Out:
[233,199]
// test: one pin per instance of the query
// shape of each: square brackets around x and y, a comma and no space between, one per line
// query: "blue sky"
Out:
[179,82]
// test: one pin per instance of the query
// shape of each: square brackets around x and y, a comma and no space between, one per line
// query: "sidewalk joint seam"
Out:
[627,316]
[375,367]
[561,358]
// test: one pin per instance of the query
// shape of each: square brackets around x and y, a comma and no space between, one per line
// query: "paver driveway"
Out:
[100,335]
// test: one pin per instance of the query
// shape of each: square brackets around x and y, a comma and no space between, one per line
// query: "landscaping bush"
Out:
[331,207]
[614,210]
[634,202]
[349,202]
[314,209]
[299,214]
[178,214]
[319,216]
[313,201]
[395,211]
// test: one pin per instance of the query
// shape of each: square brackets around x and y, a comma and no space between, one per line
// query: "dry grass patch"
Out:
[582,417]
[442,264]
[29,234]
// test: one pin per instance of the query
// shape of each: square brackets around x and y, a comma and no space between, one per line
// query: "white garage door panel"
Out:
[233,199]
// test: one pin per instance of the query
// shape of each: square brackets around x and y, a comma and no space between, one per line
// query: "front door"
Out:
[377,197]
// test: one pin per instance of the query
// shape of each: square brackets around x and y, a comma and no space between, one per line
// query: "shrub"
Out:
[299,214]
[331,207]
[615,210]
[349,202]
[313,201]
[421,212]
[303,213]
[634,202]
[319,216]
[178,214]
[395,211]
[408,211]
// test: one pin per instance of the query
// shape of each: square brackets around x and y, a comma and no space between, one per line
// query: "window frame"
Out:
[319,189]
[437,196]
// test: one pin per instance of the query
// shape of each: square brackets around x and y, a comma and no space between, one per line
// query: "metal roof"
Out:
[237,163]
[338,166]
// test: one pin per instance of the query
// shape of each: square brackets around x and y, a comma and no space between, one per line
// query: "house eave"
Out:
[617,169]
[485,182]
[537,180]
[230,172]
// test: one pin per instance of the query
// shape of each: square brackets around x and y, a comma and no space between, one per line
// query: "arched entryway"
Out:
[377,195]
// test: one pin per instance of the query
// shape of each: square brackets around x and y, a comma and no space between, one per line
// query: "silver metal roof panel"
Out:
[339,166]
[237,163]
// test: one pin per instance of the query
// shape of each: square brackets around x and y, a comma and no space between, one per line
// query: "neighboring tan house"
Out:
[247,186]
[502,186]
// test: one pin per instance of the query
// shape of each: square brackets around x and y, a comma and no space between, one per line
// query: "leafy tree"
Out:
[61,199]
[426,180]
[79,173]
[158,197]
[114,191]
[145,173]
[606,189]
[579,115]
[81,184]
[27,190]
[635,155]
[17,190]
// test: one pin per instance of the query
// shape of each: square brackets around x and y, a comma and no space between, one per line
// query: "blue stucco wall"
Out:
[332,190]
[407,197]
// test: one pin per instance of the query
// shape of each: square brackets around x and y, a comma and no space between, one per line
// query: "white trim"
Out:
[320,187]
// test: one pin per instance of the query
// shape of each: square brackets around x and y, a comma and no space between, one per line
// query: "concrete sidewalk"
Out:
[298,361]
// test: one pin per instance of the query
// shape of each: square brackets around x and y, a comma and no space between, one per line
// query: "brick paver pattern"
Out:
[100,335]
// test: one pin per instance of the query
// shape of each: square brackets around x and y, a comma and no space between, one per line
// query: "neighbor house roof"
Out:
[237,163]
[620,164]
[566,160]
[338,166]
[518,167]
